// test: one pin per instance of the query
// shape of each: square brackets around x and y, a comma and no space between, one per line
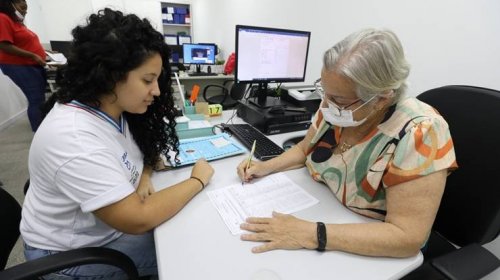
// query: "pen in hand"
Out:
[249,161]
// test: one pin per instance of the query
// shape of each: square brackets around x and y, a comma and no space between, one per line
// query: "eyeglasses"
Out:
[339,101]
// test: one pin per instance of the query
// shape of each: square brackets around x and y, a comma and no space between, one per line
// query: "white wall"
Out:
[446,41]
[13,103]
[54,19]
[59,17]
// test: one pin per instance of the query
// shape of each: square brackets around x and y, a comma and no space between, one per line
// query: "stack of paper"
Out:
[57,58]
[260,198]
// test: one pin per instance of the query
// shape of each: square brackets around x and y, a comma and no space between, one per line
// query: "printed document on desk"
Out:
[259,198]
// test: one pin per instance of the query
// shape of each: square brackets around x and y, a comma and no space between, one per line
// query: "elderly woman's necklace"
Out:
[344,147]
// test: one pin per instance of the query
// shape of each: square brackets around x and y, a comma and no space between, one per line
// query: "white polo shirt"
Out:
[78,162]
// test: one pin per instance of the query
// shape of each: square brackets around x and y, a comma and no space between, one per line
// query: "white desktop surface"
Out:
[186,77]
[196,244]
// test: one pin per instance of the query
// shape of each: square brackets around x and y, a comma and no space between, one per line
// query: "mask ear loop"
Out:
[387,94]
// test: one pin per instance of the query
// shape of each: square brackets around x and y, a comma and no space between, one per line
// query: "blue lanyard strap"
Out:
[120,126]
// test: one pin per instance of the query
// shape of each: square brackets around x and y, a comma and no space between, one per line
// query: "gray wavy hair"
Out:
[373,59]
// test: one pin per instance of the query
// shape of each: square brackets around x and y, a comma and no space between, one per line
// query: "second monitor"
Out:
[199,54]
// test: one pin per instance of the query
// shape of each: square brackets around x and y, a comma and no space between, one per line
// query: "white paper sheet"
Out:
[57,58]
[259,199]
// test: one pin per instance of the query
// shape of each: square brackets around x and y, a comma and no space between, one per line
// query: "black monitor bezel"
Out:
[61,46]
[270,79]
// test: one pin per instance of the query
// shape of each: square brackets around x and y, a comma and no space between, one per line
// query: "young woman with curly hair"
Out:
[91,159]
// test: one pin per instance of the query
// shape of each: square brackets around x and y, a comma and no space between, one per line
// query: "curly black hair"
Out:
[103,52]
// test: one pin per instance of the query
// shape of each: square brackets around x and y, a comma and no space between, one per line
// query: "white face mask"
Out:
[18,14]
[342,117]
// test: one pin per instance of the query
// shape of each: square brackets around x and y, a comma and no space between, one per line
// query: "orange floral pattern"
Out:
[413,141]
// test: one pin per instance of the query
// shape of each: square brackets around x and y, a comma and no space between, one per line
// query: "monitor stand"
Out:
[198,69]
[263,101]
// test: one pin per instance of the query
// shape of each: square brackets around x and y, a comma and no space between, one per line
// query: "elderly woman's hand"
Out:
[255,170]
[280,232]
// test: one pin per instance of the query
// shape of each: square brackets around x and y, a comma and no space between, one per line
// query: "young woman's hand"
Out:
[145,187]
[145,190]
[203,171]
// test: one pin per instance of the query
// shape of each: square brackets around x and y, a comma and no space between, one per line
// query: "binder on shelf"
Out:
[167,18]
[171,39]
[184,39]
[181,10]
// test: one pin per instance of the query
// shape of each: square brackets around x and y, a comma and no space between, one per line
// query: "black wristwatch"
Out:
[321,234]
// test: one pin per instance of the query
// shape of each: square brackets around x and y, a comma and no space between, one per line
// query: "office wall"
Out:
[54,19]
[58,17]
[446,41]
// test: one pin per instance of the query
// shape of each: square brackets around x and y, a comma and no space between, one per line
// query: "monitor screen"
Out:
[63,47]
[199,53]
[266,55]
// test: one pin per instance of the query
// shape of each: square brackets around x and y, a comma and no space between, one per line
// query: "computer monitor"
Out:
[63,47]
[199,54]
[270,55]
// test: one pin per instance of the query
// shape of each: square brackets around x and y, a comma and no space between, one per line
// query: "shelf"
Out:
[175,24]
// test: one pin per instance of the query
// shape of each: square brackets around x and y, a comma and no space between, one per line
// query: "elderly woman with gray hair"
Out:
[383,154]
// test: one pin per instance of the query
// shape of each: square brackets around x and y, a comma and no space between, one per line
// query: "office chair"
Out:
[230,93]
[469,214]
[10,214]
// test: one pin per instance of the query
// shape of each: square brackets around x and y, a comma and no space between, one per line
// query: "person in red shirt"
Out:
[22,57]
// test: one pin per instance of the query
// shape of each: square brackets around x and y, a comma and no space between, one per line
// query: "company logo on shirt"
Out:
[134,173]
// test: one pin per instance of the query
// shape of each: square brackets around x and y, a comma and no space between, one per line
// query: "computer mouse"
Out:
[292,142]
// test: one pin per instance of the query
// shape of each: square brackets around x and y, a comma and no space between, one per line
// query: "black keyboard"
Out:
[196,74]
[264,148]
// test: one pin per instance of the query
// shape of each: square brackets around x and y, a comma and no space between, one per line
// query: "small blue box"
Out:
[181,10]
[182,19]
[177,18]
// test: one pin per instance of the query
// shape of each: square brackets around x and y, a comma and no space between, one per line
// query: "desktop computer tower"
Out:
[281,118]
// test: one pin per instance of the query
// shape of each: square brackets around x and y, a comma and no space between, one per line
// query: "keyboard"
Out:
[196,74]
[265,148]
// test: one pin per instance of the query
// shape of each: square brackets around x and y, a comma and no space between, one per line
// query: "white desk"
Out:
[196,244]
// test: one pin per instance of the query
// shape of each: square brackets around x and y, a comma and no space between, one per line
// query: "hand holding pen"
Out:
[249,161]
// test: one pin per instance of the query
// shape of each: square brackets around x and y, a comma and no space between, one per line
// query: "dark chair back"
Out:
[10,215]
[470,208]
[230,94]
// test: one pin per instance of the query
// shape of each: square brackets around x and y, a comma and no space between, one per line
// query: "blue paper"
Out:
[192,149]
